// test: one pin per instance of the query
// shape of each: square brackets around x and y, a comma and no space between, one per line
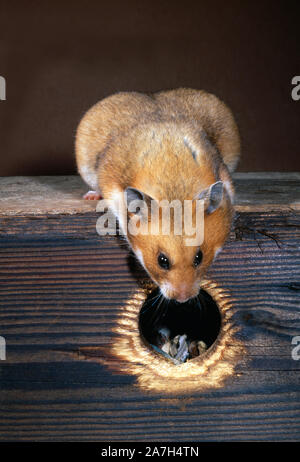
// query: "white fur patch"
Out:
[217,251]
[139,254]
[166,288]
[229,189]
[89,177]
[193,150]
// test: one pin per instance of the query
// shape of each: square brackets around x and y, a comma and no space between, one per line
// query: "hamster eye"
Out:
[198,258]
[163,261]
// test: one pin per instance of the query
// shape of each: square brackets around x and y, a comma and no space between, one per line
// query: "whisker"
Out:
[166,309]
[157,313]
[202,306]
[147,305]
[155,301]
[153,311]
[154,296]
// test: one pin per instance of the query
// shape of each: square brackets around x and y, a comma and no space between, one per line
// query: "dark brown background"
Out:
[59,58]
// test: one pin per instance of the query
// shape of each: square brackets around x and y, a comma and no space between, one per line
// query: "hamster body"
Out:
[173,145]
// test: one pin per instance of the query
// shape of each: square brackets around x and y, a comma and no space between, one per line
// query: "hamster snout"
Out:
[181,293]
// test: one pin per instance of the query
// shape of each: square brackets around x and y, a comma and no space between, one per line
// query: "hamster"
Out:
[180,144]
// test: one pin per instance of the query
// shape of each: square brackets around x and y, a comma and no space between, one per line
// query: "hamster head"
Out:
[176,260]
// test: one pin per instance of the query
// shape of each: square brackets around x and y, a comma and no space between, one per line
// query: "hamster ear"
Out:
[212,197]
[136,201]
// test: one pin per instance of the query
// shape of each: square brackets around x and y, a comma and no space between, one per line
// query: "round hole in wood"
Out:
[180,331]
[129,352]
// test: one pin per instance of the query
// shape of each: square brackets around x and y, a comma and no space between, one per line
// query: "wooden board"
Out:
[63,288]
[53,195]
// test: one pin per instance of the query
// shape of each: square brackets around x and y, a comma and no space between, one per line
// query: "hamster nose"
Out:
[182,299]
[183,294]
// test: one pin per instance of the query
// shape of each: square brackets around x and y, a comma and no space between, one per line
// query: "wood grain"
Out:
[62,289]
[52,195]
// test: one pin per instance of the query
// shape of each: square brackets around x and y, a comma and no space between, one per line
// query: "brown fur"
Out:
[171,145]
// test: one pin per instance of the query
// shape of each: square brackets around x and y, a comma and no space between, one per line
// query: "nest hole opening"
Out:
[180,331]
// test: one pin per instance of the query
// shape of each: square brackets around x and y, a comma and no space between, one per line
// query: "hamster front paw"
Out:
[92,196]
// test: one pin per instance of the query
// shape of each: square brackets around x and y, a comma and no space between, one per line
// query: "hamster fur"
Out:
[178,144]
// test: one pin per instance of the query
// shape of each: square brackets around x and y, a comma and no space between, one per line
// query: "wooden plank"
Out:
[63,289]
[63,194]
